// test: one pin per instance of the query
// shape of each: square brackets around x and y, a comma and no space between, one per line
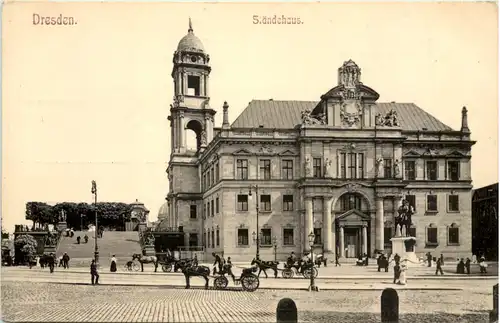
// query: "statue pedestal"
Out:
[61,226]
[400,247]
[150,250]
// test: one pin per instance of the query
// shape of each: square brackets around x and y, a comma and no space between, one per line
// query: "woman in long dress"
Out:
[113,264]
[402,275]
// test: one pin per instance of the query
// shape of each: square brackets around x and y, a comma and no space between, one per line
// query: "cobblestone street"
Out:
[41,302]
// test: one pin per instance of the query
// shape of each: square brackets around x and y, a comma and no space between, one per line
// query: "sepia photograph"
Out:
[249,162]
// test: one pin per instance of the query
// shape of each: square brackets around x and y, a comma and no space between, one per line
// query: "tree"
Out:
[27,245]
[39,212]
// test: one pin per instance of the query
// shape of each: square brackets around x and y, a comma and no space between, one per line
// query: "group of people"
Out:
[64,261]
[85,238]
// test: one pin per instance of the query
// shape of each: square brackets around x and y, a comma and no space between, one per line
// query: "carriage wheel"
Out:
[315,272]
[287,273]
[136,266]
[166,268]
[307,273]
[220,282]
[250,283]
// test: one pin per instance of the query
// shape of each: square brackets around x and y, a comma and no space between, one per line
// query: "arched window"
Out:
[350,201]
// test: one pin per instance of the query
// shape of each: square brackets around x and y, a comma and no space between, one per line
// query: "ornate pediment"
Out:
[266,150]
[287,153]
[430,152]
[354,216]
[412,153]
[456,154]
[242,152]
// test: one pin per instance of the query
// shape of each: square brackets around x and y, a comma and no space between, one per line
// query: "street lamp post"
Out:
[257,235]
[312,286]
[81,221]
[96,248]
[275,245]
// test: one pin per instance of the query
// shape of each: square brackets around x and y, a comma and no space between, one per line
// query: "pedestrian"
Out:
[86,238]
[429,259]
[78,240]
[112,268]
[218,262]
[228,266]
[397,272]
[438,267]
[460,267]
[65,259]
[482,265]
[442,259]
[402,275]
[94,275]
[467,266]
[51,262]
[60,261]
[337,263]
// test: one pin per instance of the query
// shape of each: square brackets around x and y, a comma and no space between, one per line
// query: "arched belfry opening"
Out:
[194,132]
[352,225]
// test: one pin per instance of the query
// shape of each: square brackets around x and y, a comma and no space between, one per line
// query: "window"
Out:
[410,170]
[412,232]
[193,239]
[205,181]
[213,238]
[350,201]
[432,235]
[204,210]
[387,235]
[317,167]
[265,203]
[242,237]
[205,239]
[265,169]
[193,84]
[217,172]
[432,171]
[361,166]
[287,202]
[288,237]
[453,204]
[217,236]
[212,208]
[453,235]
[212,177]
[387,168]
[411,200]
[192,211]
[352,165]
[242,202]
[432,203]
[208,239]
[453,170]
[241,169]
[265,237]
[342,165]
[287,169]
[317,236]
[217,205]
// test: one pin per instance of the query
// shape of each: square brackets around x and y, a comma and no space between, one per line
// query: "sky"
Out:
[90,101]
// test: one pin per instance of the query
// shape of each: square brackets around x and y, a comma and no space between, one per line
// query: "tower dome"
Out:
[190,42]
[163,212]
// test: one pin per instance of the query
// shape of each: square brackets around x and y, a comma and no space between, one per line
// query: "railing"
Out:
[26,228]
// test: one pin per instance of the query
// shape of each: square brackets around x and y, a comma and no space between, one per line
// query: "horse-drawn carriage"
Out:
[305,268]
[248,280]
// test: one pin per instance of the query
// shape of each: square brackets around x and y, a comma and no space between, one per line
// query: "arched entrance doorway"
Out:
[352,225]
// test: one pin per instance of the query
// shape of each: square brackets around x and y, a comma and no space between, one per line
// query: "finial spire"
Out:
[465,123]
[190,30]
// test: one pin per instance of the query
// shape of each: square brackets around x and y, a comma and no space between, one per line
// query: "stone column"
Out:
[328,234]
[179,84]
[207,128]
[379,224]
[182,132]
[206,85]
[341,242]
[365,239]
[185,83]
[202,85]
[308,227]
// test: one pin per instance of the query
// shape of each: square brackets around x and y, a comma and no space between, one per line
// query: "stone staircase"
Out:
[120,243]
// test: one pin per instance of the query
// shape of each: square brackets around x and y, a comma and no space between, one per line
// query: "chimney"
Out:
[465,126]
[225,118]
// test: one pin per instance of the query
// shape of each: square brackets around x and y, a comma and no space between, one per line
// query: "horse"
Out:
[189,270]
[263,265]
[145,260]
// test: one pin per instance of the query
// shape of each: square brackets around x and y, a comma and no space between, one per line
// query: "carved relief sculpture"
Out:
[396,168]
[203,138]
[328,167]
[307,166]
[389,120]
[308,119]
[350,113]
[266,150]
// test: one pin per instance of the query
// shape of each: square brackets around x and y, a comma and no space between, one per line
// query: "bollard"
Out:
[494,313]
[286,311]
[389,306]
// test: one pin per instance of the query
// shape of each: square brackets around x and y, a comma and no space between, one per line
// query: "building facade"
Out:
[338,167]
[485,221]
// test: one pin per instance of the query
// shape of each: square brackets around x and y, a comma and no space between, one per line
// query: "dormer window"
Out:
[193,85]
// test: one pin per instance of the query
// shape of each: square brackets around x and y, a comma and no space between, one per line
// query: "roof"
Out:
[190,42]
[287,114]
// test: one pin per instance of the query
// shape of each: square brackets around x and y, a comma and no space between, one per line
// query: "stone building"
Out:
[338,167]
[485,221]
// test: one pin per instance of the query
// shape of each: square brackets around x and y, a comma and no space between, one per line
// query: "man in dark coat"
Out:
[65,259]
[397,272]
[460,266]
[94,274]
[467,266]
[429,259]
[397,258]
[217,261]
[442,259]
[438,267]
[51,262]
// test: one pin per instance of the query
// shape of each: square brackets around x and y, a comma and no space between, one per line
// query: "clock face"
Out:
[193,59]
